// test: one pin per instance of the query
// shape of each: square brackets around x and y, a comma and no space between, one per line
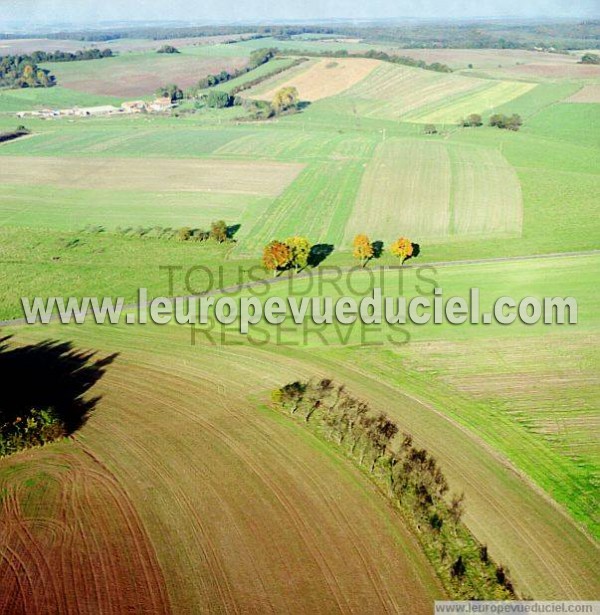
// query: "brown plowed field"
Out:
[246,510]
[71,540]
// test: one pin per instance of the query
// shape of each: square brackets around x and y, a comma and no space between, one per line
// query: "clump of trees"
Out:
[171,91]
[23,72]
[291,254]
[285,99]
[513,122]
[39,427]
[257,58]
[219,100]
[472,121]
[429,129]
[590,58]
[412,477]
[168,49]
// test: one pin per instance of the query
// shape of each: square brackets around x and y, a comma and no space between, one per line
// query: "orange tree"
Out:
[277,256]
[363,249]
[402,248]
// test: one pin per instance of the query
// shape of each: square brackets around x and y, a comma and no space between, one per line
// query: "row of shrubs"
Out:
[219,231]
[410,476]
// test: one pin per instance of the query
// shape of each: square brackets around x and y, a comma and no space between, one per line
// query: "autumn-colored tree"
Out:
[363,249]
[277,256]
[284,99]
[402,248]
[300,250]
[218,231]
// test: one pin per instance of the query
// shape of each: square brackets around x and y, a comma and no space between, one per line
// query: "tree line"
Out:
[474,120]
[409,475]
[557,35]
[220,99]
[218,231]
[376,55]
[66,56]
[22,72]
[296,253]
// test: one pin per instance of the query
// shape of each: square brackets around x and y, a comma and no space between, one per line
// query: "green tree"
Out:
[218,100]
[300,251]
[168,49]
[472,120]
[590,58]
[218,231]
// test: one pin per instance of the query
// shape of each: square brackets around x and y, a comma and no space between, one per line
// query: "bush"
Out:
[590,58]
[218,100]
[37,428]
[184,233]
[168,49]
[514,122]
[472,121]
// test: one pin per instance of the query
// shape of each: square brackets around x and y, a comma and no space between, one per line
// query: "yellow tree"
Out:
[284,99]
[277,256]
[363,249]
[300,250]
[402,248]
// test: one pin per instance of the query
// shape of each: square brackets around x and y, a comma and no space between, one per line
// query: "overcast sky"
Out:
[78,11]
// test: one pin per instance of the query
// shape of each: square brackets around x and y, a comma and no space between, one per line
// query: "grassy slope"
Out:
[26,99]
[565,463]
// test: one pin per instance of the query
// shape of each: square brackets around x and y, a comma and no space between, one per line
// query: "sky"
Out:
[36,12]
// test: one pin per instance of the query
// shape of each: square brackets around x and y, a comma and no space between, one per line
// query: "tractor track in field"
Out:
[228,290]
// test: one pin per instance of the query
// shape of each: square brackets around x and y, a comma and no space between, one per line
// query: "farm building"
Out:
[160,104]
[134,106]
[87,111]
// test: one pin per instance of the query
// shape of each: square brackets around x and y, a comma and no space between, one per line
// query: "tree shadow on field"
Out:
[49,374]
[232,230]
[377,248]
[416,250]
[318,253]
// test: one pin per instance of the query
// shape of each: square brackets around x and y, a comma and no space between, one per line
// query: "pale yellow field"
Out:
[587,94]
[482,101]
[327,77]
[428,189]
[224,176]
[392,91]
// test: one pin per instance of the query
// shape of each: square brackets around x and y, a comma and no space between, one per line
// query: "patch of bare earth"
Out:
[224,176]
[71,541]
[327,77]
[587,94]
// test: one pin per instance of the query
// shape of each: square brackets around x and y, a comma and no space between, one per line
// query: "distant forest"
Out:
[23,72]
[494,34]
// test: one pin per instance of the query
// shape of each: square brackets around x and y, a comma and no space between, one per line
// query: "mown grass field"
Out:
[510,412]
